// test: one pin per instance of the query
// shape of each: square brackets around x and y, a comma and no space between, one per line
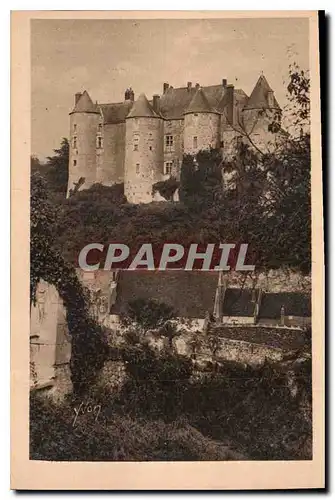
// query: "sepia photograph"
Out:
[170,239]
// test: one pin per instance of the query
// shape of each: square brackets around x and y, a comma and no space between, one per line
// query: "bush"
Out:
[157,382]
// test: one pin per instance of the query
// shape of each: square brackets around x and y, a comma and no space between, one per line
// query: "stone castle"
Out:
[140,142]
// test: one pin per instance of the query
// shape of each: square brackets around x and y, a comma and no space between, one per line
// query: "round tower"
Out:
[144,151]
[201,125]
[84,121]
[261,109]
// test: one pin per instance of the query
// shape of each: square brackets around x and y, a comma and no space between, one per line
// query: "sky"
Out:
[105,57]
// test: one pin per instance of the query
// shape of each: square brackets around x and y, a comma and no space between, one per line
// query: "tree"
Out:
[166,188]
[148,313]
[201,179]
[57,168]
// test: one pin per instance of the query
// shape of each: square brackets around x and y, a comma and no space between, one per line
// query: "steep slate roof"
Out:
[259,96]
[190,294]
[142,108]
[174,103]
[117,112]
[199,103]
[85,104]
[238,302]
[295,304]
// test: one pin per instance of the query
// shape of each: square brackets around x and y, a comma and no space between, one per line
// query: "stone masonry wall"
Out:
[144,166]
[82,160]
[111,170]
[205,127]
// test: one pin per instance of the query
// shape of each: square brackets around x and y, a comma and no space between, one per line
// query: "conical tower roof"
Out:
[142,109]
[259,96]
[85,104]
[199,103]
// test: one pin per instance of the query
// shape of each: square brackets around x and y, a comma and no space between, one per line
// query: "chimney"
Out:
[224,82]
[230,104]
[189,86]
[77,96]
[129,94]
[155,102]
[197,86]
[165,87]
[271,101]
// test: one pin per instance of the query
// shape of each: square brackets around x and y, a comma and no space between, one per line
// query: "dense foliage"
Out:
[47,263]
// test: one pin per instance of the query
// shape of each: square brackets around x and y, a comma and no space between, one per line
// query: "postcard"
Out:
[167,251]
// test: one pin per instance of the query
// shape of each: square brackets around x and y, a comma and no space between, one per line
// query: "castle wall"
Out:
[256,124]
[143,158]
[82,160]
[50,345]
[175,152]
[201,131]
[110,169]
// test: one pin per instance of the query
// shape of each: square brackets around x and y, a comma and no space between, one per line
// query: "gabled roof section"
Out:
[199,104]
[142,109]
[85,104]
[259,96]
[198,289]
[115,113]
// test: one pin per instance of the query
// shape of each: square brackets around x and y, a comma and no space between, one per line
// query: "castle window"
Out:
[137,168]
[74,163]
[74,128]
[99,142]
[75,143]
[100,126]
[195,142]
[150,147]
[195,114]
[169,141]
[221,144]
[135,147]
[168,167]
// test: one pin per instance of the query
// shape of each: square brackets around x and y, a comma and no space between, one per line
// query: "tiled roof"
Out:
[191,294]
[174,103]
[295,304]
[117,112]
[85,104]
[142,108]
[199,103]
[259,96]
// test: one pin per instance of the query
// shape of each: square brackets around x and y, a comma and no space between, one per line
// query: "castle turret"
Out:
[260,107]
[84,121]
[144,151]
[201,125]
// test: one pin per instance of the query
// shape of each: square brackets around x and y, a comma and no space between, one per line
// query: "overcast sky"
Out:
[106,56]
